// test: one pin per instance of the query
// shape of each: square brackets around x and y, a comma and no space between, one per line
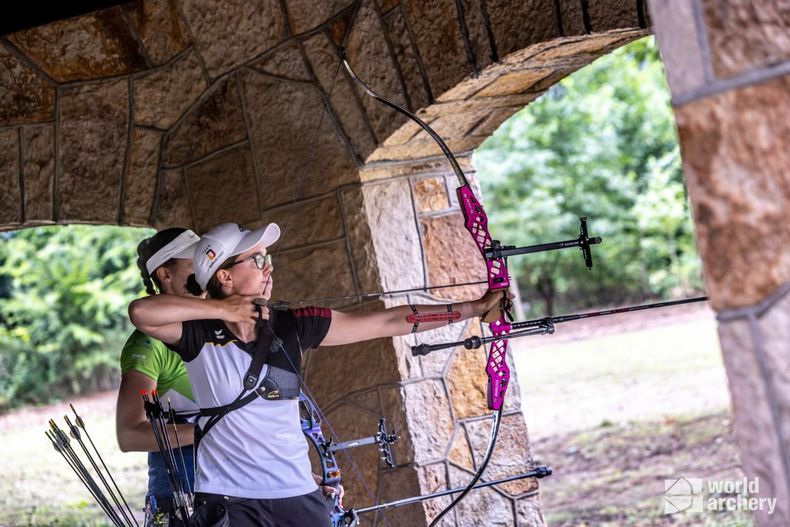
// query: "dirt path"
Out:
[102,403]
[613,476]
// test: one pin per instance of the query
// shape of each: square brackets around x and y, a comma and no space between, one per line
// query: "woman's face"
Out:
[251,274]
[174,280]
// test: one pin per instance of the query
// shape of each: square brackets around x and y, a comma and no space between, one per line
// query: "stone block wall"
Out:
[165,112]
[728,66]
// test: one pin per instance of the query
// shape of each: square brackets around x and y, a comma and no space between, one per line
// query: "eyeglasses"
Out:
[261,261]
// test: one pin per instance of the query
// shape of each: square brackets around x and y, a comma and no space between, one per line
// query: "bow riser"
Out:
[476,222]
[330,472]
[311,428]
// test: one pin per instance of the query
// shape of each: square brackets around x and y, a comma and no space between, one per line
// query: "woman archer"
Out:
[165,263]
[253,459]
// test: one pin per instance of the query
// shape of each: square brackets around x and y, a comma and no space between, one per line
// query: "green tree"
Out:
[63,321]
[600,144]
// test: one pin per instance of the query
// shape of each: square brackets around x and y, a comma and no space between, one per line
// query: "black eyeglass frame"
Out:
[261,261]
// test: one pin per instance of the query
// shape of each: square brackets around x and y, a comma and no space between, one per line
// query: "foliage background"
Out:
[602,144]
[64,291]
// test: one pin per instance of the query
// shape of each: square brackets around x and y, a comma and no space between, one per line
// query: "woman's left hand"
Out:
[330,491]
[490,302]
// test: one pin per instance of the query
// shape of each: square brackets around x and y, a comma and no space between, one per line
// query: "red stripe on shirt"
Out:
[312,311]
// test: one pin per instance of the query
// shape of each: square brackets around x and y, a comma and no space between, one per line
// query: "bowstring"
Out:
[308,163]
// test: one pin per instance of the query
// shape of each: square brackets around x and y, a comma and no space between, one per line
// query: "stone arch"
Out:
[727,65]
[151,97]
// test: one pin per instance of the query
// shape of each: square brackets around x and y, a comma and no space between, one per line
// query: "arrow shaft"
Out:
[379,293]
[90,486]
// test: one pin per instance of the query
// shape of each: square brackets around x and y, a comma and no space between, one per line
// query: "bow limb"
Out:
[445,149]
[537,472]
[476,223]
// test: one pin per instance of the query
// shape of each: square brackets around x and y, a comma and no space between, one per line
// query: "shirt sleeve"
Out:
[143,354]
[312,325]
[193,334]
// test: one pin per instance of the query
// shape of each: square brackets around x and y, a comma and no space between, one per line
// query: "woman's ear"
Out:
[163,274]
[224,277]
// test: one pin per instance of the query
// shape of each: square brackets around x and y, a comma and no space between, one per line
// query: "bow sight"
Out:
[583,242]
[311,420]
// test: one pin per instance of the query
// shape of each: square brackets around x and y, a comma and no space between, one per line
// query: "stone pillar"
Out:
[436,402]
[727,64]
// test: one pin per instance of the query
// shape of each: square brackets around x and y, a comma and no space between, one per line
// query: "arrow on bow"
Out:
[494,255]
[497,278]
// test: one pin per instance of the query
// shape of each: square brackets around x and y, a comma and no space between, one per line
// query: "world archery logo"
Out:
[682,494]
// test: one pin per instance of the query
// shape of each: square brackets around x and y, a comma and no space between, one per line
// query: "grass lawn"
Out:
[38,488]
[621,368]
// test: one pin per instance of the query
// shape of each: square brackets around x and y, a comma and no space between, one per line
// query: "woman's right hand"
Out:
[239,308]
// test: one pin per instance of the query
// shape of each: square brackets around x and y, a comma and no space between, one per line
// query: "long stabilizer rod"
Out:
[545,325]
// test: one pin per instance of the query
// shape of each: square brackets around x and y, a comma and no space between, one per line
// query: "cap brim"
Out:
[264,237]
[187,253]
[183,246]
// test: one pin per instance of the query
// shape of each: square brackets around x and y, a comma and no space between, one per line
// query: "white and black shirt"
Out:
[259,450]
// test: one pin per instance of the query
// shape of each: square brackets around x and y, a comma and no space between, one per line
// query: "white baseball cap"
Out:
[226,240]
[182,246]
